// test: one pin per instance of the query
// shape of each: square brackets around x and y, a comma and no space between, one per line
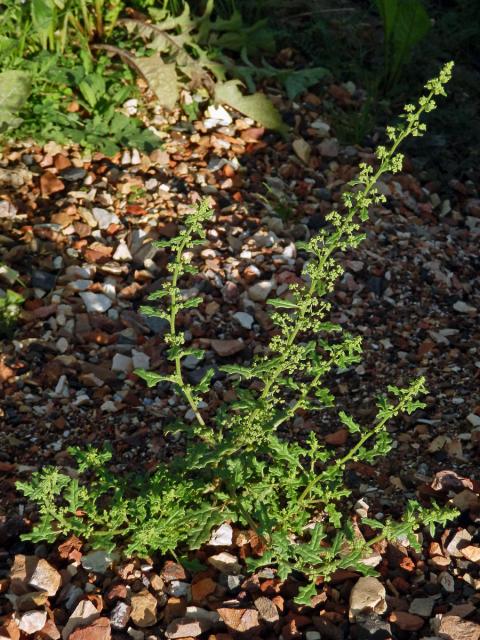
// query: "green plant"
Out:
[236,465]
[405,24]
[98,91]
[55,50]
[10,308]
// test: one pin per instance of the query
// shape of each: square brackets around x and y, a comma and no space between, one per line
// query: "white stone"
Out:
[225,563]
[61,386]
[122,363]
[179,589]
[95,302]
[136,159]
[322,127]
[222,537]
[122,252]
[463,307]
[245,320]
[217,117]
[474,419]
[367,595]
[140,360]
[104,218]
[45,578]
[81,285]
[109,406]
[32,621]
[260,290]
[131,106]
[62,345]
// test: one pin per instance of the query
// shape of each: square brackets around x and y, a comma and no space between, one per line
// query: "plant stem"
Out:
[173,314]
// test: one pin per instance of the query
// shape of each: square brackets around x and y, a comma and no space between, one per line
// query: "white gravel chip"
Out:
[95,302]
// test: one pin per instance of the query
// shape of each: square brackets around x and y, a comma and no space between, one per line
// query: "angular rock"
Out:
[225,348]
[422,606]
[446,581]
[372,627]
[144,609]
[32,621]
[222,537]
[245,320]
[186,628]
[202,589]
[120,615]
[95,302]
[406,621]
[260,291]
[367,595]
[83,615]
[454,628]
[463,307]
[179,589]
[122,363]
[20,572]
[104,218]
[471,553]
[97,561]
[49,183]
[226,563]
[198,613]
[240,620]
[302,150]
[267,610]
[461,539]
[45,578]
[173,571]
[98,630]
[122,252]
[43,280]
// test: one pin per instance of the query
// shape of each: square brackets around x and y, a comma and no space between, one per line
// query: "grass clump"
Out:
[236,466]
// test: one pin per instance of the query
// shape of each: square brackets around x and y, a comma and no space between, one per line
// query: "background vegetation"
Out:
[75,63]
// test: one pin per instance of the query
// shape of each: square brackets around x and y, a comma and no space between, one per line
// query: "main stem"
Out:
[185,389]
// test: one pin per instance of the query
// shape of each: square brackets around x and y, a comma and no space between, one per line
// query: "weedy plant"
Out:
[236,466]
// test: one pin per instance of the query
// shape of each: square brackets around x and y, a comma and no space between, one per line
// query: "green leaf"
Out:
[282,303]
[349,422]
[236,369]
[161,78]
[191,303]
[305,594]
[296,82]
[152,378]
[15,88]
[43,18]
[256,106]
